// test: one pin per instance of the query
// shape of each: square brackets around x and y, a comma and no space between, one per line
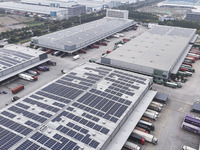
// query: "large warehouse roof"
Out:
[30,8]
[78,37]
[82,109]
[158,48]
[15,59]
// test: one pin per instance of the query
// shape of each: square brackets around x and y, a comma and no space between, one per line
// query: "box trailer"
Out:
[157,103]
[146,119]
[27,77]
[155,107]
[152,111]
[148,137]
[17,89]
[131,146]
[144,127]
[136,138]
[150,115]
[150,125]
[32,72]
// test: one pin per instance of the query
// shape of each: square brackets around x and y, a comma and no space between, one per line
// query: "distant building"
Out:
[193,16]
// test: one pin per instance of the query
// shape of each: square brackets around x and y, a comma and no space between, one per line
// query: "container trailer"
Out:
[188,148]
[157,103]
[95,46]
[53,63]
[146,119]
[131,146]
[32,72]
[150,125]
[141,129]
[185,63]
[103,43]
[188,61]
[190,127]
[173,85]
[155,107]
[148,137]
[150,115]
[136,138]
[17,89]
[27,77]
[152,111]
[192,120]
[144,127]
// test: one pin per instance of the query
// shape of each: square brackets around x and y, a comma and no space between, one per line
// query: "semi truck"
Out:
[173,85]
[53,63]
[17,89]
[157,103]
[103,43]
[144,127]
[43,68]
[146,119]
[136,138]
[131,146]
[188,148]
[148,137]
[76,57]
[32,72]
[150,115]
[185,63]
[152,111]
[141,129]
[27,77]
[155,107]
[189,68]
[150,125]
[95,46]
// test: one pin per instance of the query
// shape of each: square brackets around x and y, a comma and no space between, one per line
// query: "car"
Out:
[63,54]
[4,92]
[14,98]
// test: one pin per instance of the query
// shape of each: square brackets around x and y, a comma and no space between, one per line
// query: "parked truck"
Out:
[143,126]
[32,72]
[95,46]
[17,89]
[148,137]
[150,125]
[152,111]
[43,68]
[103,43]
[141,129]
[131,146]
[146,119]
[155,107]
[150,115]
[136,138]
[76,57]
[188,148]
[173,85]
[186,63]
[53,63]
[157,103]
[189,68]
[27,77]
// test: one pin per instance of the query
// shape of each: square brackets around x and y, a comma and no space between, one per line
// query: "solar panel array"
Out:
[10,58]
[81,110]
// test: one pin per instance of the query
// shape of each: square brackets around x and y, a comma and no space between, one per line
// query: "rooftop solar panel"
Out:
[63,115]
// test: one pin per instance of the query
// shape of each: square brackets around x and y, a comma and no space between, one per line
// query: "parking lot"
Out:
[168,126]
[65,63]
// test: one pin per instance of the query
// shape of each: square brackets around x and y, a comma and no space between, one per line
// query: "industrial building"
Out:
[15,59]
[53,12]
[157,52]
[84,109]
[193,16]
[78,37]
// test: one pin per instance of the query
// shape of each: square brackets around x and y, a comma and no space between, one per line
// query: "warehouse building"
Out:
[158,52]
[53,12]
[78,37]
[83,109]
[16,59]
